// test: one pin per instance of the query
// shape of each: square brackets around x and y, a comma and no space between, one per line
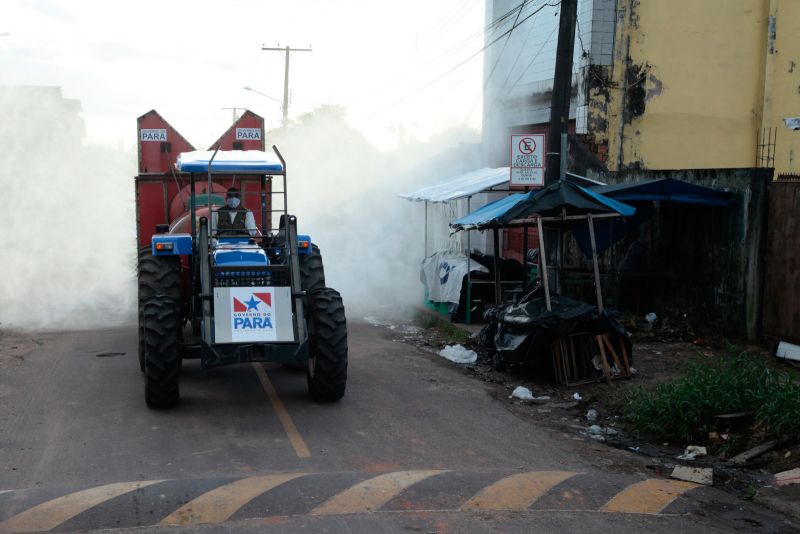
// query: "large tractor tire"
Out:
[327,345]
[312,273]
[158,275]
[162,362]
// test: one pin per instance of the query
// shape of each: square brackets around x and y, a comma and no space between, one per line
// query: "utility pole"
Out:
[562,87]
[287,50]
[235,112]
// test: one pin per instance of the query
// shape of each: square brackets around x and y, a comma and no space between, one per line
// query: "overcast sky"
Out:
[189,59]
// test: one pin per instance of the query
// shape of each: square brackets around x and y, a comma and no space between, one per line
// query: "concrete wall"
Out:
[694,82]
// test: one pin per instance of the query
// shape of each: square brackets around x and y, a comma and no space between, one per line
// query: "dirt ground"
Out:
[14,346]
[656,358]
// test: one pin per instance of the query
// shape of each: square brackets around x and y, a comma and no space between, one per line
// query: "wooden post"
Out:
[543,264]
[426,231]
[597,290]
[467,312]
[497,288]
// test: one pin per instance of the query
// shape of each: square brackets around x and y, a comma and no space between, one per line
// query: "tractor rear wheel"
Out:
[158,275]
[327,345]
[312,272]
[162,362]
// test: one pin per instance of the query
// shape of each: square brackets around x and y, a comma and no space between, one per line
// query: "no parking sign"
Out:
[527,159]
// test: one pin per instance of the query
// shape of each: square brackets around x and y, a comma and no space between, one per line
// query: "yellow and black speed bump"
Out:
[585,491]
[217,500]
[143,506]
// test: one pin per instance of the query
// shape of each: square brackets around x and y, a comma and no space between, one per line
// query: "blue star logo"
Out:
[252,304]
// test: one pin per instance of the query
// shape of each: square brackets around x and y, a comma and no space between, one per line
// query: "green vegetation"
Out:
[447,330]
[684,408]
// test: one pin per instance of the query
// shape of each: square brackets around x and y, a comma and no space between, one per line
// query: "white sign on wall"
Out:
[248,134]
[527,159]
[153,134]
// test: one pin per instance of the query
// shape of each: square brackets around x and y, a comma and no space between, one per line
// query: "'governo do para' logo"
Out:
[253,314]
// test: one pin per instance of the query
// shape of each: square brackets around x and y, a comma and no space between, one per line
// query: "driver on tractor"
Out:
[233,218]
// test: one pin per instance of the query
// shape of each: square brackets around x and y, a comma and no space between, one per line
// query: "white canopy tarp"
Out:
[462,185]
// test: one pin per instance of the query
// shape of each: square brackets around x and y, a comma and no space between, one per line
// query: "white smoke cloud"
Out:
[67,236]
[345,195]
[68,232]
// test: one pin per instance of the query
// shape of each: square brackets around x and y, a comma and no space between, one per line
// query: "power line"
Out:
[462,63]
[508,38]
[467,42]
[522,74]
[505,44]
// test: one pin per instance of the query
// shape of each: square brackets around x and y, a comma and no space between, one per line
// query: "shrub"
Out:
[681,409]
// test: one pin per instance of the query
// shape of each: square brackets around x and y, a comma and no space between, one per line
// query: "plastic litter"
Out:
[692,452]
[698,475]
[788,477]
[459,354]
[521,392]
[598,430]
[651,317]
[577,397]
[591,415]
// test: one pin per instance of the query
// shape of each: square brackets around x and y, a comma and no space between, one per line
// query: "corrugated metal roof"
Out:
[462,185]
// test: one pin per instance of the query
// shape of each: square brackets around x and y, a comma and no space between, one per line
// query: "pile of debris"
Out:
[576,340]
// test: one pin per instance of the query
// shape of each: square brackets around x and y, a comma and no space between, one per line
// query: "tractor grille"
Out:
[276,275]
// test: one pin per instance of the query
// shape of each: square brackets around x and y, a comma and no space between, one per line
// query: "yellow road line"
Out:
[286,420]
[372,494]
[516,492]
[220,504]
[52,513]
[647,497]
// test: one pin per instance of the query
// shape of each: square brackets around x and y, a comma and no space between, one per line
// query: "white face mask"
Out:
[233,202]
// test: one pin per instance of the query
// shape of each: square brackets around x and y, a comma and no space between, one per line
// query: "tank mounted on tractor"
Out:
[214,288]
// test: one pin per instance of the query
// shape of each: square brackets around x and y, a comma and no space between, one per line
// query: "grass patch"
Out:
[682,409]
[445,329]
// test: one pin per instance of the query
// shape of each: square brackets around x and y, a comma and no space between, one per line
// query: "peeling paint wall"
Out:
[783,51]
[689,83]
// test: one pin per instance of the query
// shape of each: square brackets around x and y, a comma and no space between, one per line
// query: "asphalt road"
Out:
[415,445]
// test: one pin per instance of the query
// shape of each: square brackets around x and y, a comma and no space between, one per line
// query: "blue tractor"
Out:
[229,294]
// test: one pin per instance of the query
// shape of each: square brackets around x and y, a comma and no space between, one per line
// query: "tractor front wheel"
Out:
[158,276]
[327,345]
[312,272]
[162,362]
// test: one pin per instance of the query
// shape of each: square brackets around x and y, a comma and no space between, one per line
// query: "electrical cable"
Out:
[460,64]
[467,42]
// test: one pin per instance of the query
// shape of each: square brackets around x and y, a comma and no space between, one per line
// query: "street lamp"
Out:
[267,96]
[264,94]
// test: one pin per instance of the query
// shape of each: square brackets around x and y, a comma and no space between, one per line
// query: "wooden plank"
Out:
[543,264]
[625,356]
[603,359]
[623,370]
[598,291]
[781,302]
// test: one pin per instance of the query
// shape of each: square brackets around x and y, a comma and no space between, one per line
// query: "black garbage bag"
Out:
[522,332]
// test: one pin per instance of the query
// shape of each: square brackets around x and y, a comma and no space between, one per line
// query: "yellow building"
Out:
[694,83]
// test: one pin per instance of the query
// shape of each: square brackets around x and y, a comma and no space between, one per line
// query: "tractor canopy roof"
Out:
[229,162]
